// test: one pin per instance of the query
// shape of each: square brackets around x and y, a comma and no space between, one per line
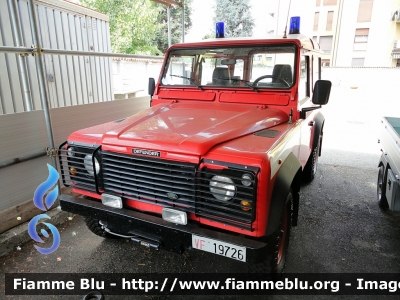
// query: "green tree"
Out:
[236,16]
[133,25]
[161,39]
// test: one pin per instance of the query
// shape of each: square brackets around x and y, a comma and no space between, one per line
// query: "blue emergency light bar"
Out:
[294,25]
[219,30]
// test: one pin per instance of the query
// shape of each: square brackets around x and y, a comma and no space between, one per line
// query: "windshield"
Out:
[256,67]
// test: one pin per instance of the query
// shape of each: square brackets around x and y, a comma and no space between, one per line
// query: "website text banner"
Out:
[201,284]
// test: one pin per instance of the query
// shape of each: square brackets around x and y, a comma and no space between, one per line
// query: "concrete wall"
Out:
[370,91]
[133,74]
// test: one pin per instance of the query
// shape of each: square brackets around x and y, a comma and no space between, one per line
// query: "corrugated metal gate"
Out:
[55,77]
[70,80]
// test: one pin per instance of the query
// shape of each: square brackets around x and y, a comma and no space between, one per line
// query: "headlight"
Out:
[71,151]
[89,166]
[247,179]
[222,188]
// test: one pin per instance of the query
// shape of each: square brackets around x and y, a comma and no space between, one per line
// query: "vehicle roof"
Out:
[299,39]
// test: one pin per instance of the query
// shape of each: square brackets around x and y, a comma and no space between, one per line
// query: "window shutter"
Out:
[325,42]
[365,11]
[316,20]
[329,21]
[362,31]
[330,2]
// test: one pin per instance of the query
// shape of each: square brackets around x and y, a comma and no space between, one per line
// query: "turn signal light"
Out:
[72,171]
[245,205]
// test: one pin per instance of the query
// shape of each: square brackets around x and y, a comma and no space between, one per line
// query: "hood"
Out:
[187,129]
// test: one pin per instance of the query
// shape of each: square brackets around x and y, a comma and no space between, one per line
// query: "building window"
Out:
[316,20]
[329,20]
[361,39]
[325,42]
[357,62]
[326,62]
[365,11]
[318,3]
[315,39]
[329,2]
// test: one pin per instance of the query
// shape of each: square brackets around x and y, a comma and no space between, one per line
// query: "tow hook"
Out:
[135,238]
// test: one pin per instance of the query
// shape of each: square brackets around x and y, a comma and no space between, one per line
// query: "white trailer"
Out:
[388,185]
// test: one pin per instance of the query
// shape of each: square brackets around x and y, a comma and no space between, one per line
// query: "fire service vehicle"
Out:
[215,164]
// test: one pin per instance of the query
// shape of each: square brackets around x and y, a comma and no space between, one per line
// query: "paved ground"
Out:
[341,228]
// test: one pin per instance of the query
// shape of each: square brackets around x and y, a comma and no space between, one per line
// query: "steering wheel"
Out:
[270,76]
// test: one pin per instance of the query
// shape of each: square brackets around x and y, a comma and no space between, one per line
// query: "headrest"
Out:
[220,73]
[284,72]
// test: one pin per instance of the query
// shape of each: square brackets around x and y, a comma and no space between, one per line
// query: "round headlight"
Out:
[247,179]
[222,188]
[71,151]
[89,165]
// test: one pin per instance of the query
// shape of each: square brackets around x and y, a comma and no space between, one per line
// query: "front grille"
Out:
[180,185]
[150,180]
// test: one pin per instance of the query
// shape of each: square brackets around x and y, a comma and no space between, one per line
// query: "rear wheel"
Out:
[278,244]
[381,188]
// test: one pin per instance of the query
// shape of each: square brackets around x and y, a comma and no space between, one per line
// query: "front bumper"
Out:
[150,229]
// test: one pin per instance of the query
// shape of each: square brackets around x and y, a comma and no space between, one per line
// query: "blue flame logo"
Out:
[44,188]
[38,199]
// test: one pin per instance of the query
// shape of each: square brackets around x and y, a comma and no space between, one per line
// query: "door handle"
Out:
[311,123]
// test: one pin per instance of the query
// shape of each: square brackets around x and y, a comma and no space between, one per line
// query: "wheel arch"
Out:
[318,133]
[288,177]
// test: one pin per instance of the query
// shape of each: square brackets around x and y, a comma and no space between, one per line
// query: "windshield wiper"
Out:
[240,80]
[188,78]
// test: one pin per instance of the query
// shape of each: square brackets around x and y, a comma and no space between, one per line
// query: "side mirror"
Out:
[322,90]
[152,86]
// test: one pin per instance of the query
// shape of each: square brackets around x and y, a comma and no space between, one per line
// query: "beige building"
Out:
[358,33]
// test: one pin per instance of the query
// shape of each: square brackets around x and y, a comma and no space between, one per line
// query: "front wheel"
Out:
[381,188]
[278,244]
[94,225]
[310,169]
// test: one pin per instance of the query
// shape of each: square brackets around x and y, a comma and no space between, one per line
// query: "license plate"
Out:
[219,248]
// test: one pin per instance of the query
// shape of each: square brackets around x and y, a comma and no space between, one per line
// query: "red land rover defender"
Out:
[215,164]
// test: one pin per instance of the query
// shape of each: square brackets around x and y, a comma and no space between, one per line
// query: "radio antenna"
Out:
[287,20]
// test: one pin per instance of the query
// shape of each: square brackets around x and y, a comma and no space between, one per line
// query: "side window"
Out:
[316,69]
[303,83]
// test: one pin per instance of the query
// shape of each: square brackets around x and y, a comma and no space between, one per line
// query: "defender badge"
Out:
[146,152]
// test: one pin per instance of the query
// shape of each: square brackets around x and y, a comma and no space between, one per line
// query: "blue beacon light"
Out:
[219,30]
[294,25]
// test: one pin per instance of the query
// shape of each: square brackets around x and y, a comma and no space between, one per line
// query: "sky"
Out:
[203,13]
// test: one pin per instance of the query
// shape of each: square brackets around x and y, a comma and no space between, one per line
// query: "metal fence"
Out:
[55,78]
[70,80]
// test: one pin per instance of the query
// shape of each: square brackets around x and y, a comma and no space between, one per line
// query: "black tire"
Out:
[381,188]
[95,227]
[278,244]
[310,169]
